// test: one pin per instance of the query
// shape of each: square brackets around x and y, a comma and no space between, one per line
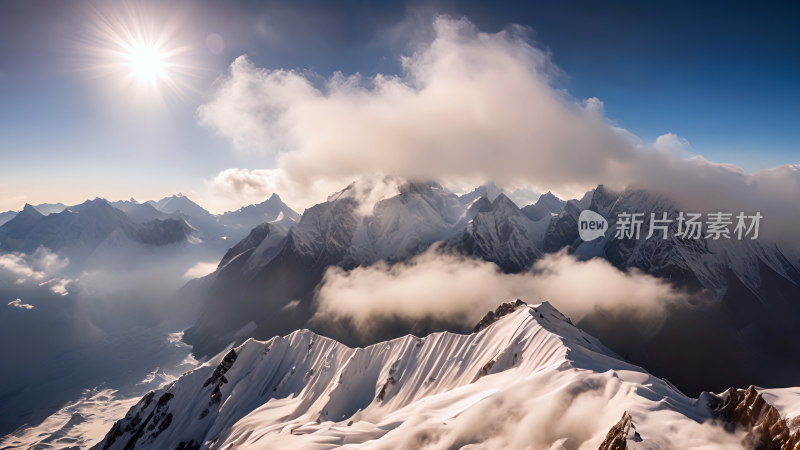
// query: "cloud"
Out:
[200,269]
[18,304]
[450,287]
[468,106]
[57,285]
[671,142]
[42,264]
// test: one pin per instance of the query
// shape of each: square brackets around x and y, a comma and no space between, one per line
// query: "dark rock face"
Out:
[252,240]
[142,422]
[546,205]
[391,381]
[223,367]
[618,436]
[499,232]
[217,379]
[747,409]
[492,316]
[563,229]
[163,232]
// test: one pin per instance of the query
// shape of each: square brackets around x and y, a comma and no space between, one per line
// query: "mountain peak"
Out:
[29,209]
[96,202]
[547,196]
[502,201]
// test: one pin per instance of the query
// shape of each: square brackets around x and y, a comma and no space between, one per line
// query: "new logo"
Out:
[591,225]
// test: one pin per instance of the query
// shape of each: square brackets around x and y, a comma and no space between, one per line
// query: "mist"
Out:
[100,325]
[453,288]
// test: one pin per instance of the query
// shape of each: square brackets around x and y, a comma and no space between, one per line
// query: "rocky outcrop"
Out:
[620,434]
[747,409]
[492,316]
[144,421]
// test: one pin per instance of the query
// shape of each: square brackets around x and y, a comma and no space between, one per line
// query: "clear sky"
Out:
[74,122]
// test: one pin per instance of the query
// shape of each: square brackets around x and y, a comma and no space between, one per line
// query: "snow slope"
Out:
[529,380]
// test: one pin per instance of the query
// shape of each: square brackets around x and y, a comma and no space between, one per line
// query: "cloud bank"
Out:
[451,287]
[468,106]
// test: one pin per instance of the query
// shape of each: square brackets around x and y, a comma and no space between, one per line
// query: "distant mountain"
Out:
[182,203]
[499,232]
[77,231]
[44,208]
[547,205]
[181,206]
[229,226]
[50,208]
[139,212]
[6,216]
[526,378]
[248,217]
[489,190]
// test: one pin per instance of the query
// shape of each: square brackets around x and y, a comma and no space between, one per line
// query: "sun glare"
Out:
[147,64]
[140,48]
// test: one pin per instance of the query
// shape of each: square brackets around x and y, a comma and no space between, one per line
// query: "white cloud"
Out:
[42,264]
[17,265]
[447,286]
[57,285]
[18,304]
[671,142]
[200,269]
[468,106]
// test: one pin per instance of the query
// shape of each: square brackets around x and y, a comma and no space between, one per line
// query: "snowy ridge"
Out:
[306,391]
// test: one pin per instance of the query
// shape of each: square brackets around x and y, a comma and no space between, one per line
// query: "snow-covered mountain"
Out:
[79,230]
[251,216]
[501,233]
[229,226]
[253,290]
[527,378]
[745,292]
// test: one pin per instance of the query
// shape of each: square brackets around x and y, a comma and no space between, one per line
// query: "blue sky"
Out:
[721,75]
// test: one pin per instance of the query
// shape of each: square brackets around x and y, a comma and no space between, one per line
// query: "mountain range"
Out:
[326,383]
[525,378]
[745,291]
[82,231]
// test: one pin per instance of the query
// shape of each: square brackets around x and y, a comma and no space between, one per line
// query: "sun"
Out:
[144,51]
[146,62]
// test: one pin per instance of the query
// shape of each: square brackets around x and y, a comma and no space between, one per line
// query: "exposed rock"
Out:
[765,427]
[484,370]
[191,445]
[619,435]
[222,368]
[386,386]
[502,310]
